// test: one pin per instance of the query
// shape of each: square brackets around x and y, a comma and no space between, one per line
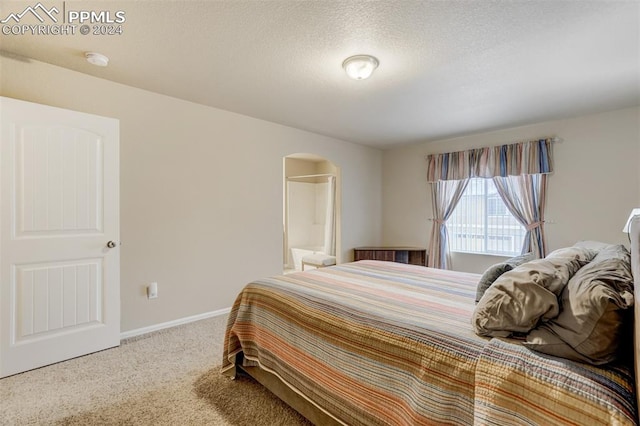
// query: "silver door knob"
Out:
[111,244]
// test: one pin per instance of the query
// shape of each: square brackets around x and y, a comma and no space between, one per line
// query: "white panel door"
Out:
[59,235]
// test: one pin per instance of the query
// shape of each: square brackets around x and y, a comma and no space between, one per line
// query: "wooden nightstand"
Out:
[411,255]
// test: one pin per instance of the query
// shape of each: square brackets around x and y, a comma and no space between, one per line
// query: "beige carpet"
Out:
[170,377]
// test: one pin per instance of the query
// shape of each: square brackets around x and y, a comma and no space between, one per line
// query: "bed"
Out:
[371,343]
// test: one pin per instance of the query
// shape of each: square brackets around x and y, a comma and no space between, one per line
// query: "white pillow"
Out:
[592,245]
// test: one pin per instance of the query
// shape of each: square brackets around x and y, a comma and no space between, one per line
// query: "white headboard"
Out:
[634,235]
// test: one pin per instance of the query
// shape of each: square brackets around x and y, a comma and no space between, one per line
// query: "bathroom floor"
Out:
[291,271]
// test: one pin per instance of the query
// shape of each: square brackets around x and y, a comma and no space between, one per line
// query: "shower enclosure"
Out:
[309,212]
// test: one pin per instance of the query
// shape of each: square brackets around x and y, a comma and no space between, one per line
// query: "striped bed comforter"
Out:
[374,343]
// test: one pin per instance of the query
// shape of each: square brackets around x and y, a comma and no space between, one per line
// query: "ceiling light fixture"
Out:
[97,59]
[360,67]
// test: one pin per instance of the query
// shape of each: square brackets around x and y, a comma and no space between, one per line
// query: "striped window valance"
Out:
[521,158]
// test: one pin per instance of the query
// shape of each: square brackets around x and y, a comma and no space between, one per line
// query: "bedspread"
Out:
[517,386]
[383,343]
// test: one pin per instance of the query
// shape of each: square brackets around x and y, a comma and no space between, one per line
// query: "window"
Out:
[481,223]
[495,206]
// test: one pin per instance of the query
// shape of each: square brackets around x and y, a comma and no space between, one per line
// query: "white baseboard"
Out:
[144,330]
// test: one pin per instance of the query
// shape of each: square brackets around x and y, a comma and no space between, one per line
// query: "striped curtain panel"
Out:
[522,158]
[525,197]
[445,195]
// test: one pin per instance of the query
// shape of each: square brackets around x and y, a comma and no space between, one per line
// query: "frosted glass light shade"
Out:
[360,67]
[96,59]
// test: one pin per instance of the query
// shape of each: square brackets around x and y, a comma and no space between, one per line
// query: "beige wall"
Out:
[595,185]
[201,190]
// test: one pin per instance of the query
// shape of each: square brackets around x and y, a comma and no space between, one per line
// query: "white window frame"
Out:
[473,230]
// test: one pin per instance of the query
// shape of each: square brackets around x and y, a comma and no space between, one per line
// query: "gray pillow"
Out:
[543,339]
[495,271]
[489,276]
[594,303]
[593,245]
[583,254]
[519,260]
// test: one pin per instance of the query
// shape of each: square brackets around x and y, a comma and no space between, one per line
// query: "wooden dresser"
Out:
[411,255]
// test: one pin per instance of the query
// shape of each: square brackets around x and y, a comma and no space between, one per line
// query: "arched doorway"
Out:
[311,211]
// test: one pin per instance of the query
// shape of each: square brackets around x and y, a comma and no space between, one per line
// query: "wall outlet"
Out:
[152,290]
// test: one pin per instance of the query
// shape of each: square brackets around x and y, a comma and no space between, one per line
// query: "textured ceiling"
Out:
[446,68]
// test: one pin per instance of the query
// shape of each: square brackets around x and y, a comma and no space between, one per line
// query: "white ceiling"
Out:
[447,68]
